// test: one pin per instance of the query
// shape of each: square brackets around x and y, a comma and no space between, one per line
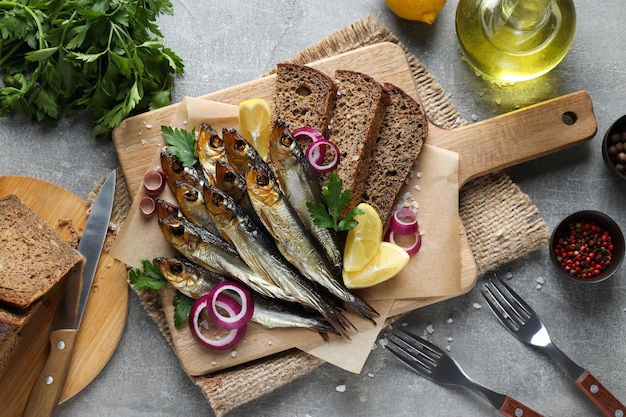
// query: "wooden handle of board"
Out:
[519,136]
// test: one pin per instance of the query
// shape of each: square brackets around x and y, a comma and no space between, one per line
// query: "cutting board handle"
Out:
[519,136]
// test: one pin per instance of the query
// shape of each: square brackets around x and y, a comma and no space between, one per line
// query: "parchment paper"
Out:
[433,185]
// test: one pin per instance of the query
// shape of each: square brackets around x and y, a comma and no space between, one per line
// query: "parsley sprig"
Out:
[152,278]
[104,56]
[182,144]
[335,199]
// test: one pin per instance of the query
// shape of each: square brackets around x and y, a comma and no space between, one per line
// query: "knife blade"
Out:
[46,391]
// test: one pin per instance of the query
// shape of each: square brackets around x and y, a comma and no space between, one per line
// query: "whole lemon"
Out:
[417,10]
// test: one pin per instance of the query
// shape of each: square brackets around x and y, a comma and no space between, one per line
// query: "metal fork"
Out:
[434,364]
[521,321]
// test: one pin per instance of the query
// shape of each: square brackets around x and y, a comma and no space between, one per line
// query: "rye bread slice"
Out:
[359,110]
[303,96]
[33,258]
[400,139]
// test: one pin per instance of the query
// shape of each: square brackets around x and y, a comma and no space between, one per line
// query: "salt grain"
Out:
[449,320]
[383,342]
[450,339]
[508,275]
[541,280]
[430,329]
[233,353]
[477,306]
[341,388]
[371,375]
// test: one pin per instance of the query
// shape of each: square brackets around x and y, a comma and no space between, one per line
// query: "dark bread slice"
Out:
[33,258]
[398,145]
[303,96]
[359,112]
[11,322]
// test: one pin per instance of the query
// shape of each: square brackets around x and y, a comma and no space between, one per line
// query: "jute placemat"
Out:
[501,224]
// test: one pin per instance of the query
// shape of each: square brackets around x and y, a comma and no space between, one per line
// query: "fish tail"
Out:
[364,309]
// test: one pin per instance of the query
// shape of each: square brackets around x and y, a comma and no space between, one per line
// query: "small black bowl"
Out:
[601,220]
[614,148]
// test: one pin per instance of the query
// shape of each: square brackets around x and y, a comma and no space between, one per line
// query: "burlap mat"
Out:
[501,224]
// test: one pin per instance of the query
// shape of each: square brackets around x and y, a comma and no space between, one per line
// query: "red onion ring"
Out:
[315,136]
[147,205]
[312,154]
[241,317]
[154,181]
[233,337]
[412,249]
[402,227]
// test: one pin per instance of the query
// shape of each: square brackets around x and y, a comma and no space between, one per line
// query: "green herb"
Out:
[327,215]
[182,144]
[151,277]
[103,56]
[182,307]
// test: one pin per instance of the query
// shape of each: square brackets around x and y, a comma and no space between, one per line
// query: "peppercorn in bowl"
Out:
[614,148]
[587,246]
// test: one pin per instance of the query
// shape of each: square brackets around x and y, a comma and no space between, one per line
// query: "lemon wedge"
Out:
[254,124]
[417,10]
[363,240]
[386,263]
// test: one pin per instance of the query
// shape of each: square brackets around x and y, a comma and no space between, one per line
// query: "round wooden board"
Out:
[105,313]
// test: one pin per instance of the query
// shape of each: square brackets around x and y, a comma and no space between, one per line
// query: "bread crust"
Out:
[400,139]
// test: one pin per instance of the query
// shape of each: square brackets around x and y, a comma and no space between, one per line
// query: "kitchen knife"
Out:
[48,386]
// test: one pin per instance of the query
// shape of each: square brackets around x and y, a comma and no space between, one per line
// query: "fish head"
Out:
[165,209]
[261,183]
[220,205]
[282,145]
[171,268]
[174,170]
[236,148]
[229,181]
[189,193]
[209,144]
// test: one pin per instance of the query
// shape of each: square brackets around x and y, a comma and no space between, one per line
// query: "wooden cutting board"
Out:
[483,147]
[105,313]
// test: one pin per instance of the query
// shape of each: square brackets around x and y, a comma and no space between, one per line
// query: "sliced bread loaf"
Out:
[11,322]
[358,114]
[303,96]
[400,139]
[32,256]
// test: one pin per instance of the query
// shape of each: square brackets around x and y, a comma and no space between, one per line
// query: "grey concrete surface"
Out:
[224,43]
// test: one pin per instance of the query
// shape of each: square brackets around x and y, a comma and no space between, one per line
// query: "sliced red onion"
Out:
[154,181]
[404,222]
[308,131]
[241,317]
[315,136]
[312,153]
[147,205]
[233,337]
[411,249]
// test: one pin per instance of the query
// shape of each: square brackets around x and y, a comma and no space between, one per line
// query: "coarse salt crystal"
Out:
[430,329]
[371,375]
[341,388]
[233,353]
[541,280]
[508,275]
[449,320]
[477,306]
[450,339]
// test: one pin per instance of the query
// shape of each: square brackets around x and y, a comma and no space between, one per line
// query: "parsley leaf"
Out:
[106,57]
[150,278]
[182,144]
[182,308]
[335,199]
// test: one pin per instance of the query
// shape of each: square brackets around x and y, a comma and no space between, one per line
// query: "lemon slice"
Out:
[254,124]
[386,263]
[416,10]
[363,240]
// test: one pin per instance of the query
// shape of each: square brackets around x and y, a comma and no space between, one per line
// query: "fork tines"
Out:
[415,352]
[506,304]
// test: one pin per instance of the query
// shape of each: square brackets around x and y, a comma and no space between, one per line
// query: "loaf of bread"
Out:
[357,117]
[33,258]
[303,96]
[400,139]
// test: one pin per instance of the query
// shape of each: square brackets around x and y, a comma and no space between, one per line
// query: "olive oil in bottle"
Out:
[515,40]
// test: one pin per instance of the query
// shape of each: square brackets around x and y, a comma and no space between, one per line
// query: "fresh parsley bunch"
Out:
[105,56]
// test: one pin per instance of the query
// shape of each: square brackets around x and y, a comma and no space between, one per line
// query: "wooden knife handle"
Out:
[48,386]
[600,396]
[514,408]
